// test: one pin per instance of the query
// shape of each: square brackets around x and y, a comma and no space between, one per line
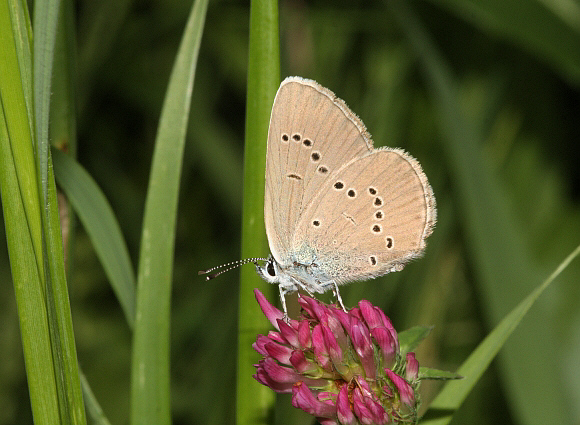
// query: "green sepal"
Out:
[411,338]
[436,374]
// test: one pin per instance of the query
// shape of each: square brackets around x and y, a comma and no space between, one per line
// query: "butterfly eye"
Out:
[270,268]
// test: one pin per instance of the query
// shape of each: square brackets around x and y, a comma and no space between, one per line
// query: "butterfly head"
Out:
[269,271]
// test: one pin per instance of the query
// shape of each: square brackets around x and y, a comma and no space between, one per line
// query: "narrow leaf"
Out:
[150,368]
[253,400]
[441,409]
[67,379]
[72,410]
[102,227]
[45,24]
[503,267]
[21,208]
[28,287]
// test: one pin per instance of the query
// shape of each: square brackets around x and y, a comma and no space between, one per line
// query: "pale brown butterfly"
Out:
[336,209]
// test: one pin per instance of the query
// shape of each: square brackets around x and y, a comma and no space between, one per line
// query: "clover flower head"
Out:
[342,367]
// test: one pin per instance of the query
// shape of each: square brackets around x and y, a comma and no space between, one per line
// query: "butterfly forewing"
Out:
[312,135]
[371,217]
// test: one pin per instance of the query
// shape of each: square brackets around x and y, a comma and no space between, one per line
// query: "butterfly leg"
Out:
[337,295]
[298,284]
[283,291]
[332,284]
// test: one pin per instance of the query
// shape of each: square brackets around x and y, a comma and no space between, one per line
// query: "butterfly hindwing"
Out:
[371,217]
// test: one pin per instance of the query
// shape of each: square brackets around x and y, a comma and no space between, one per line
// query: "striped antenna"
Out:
[229,266]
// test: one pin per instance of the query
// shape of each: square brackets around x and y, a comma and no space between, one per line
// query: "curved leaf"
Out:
[150,400]
[441,409]
[102,227]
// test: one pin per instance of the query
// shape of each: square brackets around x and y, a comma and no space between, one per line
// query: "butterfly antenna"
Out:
[229,266]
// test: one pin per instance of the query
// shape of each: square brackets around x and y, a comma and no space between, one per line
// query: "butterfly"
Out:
[336,209]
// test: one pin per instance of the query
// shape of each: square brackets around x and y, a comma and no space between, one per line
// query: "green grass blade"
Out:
[450,398]
[21,207]
[62,106]
[16,72]
[56,292]
[72,410]
[27,282]
[23,43]
[502,264]
[27,285]
[45,25]
[150,364]
[101,225]
[63,129]
[255,401]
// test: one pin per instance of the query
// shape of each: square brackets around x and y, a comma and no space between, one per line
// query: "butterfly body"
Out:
[291,278]
[336,209]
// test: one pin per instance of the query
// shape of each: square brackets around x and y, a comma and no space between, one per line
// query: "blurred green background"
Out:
[504,223]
